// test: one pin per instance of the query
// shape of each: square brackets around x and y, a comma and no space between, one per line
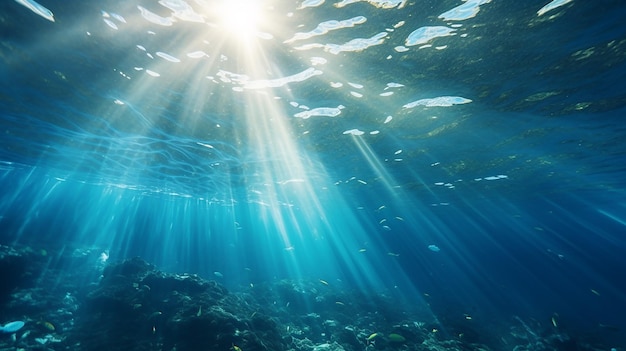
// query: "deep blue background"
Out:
[77,172]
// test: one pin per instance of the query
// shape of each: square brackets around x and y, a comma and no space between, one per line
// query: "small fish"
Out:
[323,282]
[153,329]
[340,303]
[362,250]
[37,8]
[49,326]
[595,292]
[371,337]
[236,348]
[199,312]
[393,254]
[554,323]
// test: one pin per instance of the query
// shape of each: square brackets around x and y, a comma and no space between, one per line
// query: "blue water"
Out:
[186,144]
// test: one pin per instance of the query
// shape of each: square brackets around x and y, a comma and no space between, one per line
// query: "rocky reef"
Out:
[68,303]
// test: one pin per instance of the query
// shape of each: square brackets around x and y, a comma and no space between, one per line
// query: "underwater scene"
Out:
[313,175]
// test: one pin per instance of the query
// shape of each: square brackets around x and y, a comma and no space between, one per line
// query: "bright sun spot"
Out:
[240,17]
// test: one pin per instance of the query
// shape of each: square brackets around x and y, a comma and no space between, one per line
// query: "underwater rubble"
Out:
[63,301]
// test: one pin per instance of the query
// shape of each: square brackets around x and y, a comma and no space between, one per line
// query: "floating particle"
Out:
[110,23]
[118,17]
[551,6]
[434,248]
[318,61]
[355,94]
[197,54]
[167,57]
[354,132]
[311,3]
[154,18]
[425,34]
[320,111]
[441,101]
[205,145]
[37,8]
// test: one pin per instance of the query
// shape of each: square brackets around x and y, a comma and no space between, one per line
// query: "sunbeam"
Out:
[326,175]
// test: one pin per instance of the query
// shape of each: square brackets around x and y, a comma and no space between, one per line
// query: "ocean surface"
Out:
[467,158]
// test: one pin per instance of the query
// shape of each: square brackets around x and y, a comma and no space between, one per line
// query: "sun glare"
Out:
[240,17]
